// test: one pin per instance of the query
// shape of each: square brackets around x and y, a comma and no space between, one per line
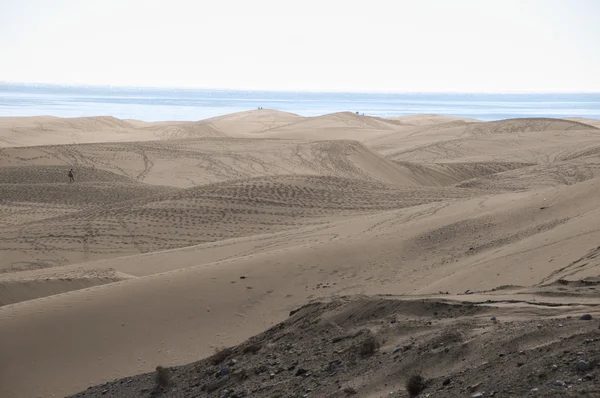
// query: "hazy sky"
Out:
[318,45]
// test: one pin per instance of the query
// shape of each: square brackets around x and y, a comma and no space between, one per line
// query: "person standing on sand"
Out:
[71,176]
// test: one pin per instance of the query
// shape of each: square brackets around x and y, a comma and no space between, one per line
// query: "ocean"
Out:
[155,104]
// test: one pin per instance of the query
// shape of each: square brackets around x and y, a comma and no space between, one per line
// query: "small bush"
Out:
[252,348]
[368,346]
[162,378]
[415,385]
[221,354]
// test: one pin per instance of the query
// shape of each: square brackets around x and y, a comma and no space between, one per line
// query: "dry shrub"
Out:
[252,348]
[220,355]
[162,378]
[368,346]
[415,385]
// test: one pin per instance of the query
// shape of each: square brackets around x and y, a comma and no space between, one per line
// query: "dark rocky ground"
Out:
[370,347]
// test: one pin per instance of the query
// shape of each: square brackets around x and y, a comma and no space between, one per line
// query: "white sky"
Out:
[317,45]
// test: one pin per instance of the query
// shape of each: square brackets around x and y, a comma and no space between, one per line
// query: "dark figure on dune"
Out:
[71,176]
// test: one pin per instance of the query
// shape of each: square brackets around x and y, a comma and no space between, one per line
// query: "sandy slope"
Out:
[190,162]
[370,346]
[429,248]
[336,126]
[195,215]
[426,120]
[202,242]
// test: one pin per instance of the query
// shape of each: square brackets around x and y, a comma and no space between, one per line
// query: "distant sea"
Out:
[154,104]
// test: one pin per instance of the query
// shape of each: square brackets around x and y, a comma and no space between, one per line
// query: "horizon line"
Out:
[116,86]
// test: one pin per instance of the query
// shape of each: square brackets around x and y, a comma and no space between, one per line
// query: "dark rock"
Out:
[224,371]
[446,382]
[583,365]
[586,317]
[301,372]
[261,369]
[337,339]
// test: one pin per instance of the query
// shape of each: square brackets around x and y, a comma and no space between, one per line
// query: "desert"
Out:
[268,254]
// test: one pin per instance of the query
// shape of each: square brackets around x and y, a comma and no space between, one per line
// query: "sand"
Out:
[180,237]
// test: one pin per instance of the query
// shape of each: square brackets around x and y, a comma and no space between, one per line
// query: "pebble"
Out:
[224,371]
[583,365]
[225,393]
[535,389]
[301,372]
[477,395]
[494,318]
[586,317]
[473,387]
[559,383]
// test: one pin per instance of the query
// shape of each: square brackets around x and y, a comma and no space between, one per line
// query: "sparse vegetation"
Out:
[221,354]
[162,378]
[415,385]
[368,346]
[252,348]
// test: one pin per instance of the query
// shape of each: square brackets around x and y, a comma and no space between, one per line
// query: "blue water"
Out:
[153,104]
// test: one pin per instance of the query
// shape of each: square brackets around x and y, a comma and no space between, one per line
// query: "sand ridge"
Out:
[179,237]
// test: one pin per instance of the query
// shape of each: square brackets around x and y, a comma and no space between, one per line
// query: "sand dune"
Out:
[539,176]
[468,245]
[186,163]
[193,216]
[336,126]
[16,288]
[213,231]
[479,144]
[49,130]
[428,120]
[444,174]
[591,122]
[245,123]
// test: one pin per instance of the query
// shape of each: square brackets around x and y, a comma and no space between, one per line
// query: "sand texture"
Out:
[178,238]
